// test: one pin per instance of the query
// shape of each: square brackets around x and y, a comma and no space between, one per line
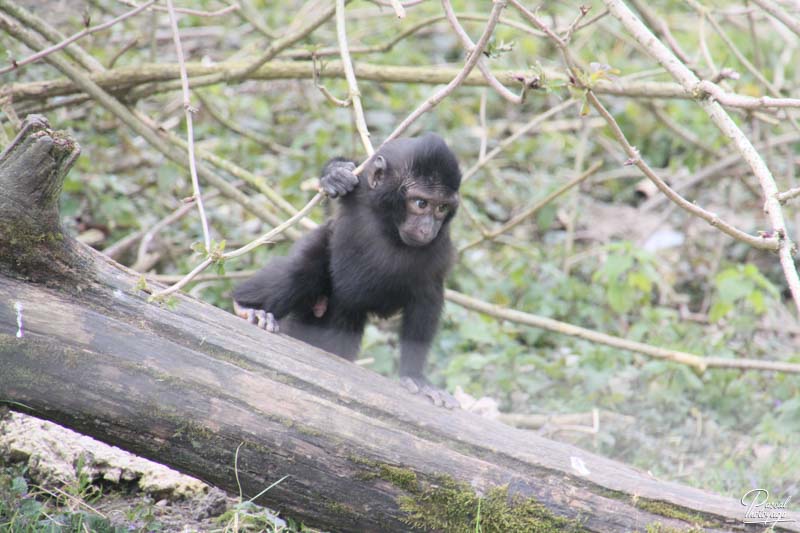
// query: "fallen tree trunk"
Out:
[189,386]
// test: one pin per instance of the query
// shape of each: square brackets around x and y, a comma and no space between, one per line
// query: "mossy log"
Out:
[191,385]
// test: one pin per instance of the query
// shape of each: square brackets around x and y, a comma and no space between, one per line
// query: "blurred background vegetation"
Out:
[610,255]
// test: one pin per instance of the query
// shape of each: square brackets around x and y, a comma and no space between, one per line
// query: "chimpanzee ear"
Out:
[378,169]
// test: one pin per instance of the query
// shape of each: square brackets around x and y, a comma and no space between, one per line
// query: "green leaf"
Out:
[620,297]
[19,486]
[756,299]
[30,508]
[760,280]
[616,265]
[718,310]
[546,216]
[732,289]
[639,280]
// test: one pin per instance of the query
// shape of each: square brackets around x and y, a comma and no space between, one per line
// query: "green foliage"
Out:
[743,286]
[496,49]
[29,509]
[629,276]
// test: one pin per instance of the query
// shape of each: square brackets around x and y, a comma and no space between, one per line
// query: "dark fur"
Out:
[358,261]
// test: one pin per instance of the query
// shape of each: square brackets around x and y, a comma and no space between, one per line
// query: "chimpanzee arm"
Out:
[420,321]
[298,281]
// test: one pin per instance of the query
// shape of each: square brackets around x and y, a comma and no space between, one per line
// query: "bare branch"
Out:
[442,93]
[194,12]
[699,362]
[530,125]
[482,66]
[161,78]
[349,74]
[39,55]
[775,10]
[728,127]
[535,207]
[267,238]
[766,243]
[399,10]
[188,112]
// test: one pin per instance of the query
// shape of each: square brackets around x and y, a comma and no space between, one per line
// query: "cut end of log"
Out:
[32,172]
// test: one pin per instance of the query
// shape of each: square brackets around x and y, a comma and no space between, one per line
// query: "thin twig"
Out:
[388,45]
[583,10]
[680,131]
[214,258]
[531,124]
[482,66]
[534,208]
[442,93]
[39,55]
[148,236]
[78,54]
[775,10]
[657,22]
[685,358]
[729,128]
[399,10]
[292,36]
[324,90]
[189,110]
[350,76]
[703,12]
[130,44]
[137,122]
[172,278]
[764,243]
[573,200]
[194,12]
[244,132]
[718,166]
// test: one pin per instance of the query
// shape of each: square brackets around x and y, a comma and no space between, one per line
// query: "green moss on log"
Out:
[447,505]
[669,510]
[454,507]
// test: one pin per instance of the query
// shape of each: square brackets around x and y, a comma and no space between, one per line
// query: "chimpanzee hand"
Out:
[338,178]
[420,385]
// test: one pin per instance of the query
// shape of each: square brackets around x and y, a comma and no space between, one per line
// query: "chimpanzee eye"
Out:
[442,208]
[420,203]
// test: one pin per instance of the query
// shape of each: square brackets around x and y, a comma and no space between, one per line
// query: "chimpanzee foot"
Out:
[257,317]
[439,397]
[266,321]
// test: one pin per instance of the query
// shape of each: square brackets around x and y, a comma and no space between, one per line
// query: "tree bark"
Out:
[189,386]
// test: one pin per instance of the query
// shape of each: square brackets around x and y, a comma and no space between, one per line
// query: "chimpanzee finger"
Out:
[328,187]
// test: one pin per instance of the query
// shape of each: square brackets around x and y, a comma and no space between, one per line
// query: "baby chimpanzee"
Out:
[387,249]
